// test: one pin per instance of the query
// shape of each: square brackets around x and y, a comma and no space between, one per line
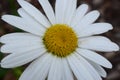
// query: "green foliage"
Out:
[13,7]
[18,71]
[3,72]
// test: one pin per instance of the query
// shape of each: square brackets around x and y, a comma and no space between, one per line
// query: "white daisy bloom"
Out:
[61,44]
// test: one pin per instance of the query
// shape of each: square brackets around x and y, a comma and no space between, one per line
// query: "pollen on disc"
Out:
[60,40]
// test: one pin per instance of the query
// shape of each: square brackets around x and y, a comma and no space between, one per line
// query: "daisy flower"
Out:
[61,44]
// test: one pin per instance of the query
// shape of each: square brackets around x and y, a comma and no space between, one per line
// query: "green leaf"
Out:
[3,72]
[18,71]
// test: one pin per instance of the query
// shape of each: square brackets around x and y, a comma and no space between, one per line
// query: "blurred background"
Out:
[110,12]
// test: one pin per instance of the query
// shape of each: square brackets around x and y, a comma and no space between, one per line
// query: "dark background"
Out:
[110,12]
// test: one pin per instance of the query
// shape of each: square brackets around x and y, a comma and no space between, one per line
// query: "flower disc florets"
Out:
[60,40]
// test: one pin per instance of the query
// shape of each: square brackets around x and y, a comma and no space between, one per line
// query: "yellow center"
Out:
[60,40]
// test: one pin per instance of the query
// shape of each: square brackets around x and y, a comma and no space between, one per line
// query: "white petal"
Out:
[88,19]
[93,29]
[21,47]
[34,12]
[70,10]
[89,67]
[56,70]
[48,10]
[66,70]
[38,69]
[19,37]
[99,69]
[23,24]
[15,60]
[60,8]
[80,12]
[98,43]
[29,18]
[95,57]
[78,68]
[25,15]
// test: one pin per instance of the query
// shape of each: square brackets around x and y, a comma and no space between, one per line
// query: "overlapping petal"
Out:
[64,11]
[79,14]
[15,60]
[98,59]
[29,18]
[78,68]
[23,24]
[98,68]
[38,72]
[89,67]
[21,46]
[67,72]
[56,69]
[34,12]
[98,43]
[89,18]
[19,37]
[48,10]
[94,29]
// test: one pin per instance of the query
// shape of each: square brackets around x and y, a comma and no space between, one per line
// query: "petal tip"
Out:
[3,17]
[110,26]
[2,49]
[85,5]
[21,1]
[97,12]
[115,47]
[1,40]
[2,65]
[110,66]
[105,75]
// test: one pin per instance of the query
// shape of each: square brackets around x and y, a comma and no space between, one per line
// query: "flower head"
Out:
[61,44]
